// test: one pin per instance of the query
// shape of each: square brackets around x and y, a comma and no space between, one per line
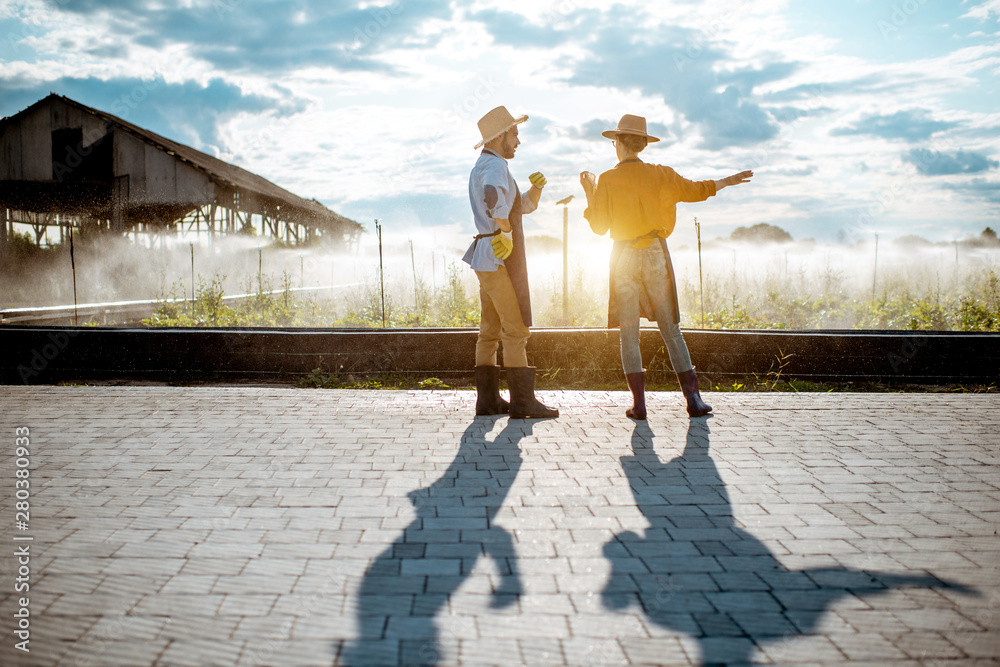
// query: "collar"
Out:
[493,153]
[629,160]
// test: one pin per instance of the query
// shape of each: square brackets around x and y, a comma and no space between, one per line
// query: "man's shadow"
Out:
[410,582]
[695,571]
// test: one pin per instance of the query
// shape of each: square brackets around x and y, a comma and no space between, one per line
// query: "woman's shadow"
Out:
[410,582]
[695,571]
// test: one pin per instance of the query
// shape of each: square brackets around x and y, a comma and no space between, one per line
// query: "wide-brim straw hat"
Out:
[495,123]
[629,124]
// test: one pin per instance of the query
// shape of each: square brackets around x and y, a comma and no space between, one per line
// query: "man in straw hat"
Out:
[637,202]
[497,256]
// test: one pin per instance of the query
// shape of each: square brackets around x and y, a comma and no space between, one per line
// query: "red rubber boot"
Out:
[637,385]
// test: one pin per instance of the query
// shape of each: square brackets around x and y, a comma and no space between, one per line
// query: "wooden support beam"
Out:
[211,223]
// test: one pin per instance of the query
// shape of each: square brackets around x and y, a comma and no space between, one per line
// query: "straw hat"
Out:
[495,123]
[630,124]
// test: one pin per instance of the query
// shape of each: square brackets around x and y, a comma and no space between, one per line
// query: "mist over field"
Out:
[798,284]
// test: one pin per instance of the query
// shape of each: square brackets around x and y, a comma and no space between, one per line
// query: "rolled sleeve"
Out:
[492,192]
[497,178]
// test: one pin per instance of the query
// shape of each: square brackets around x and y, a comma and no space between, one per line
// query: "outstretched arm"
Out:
[735,179]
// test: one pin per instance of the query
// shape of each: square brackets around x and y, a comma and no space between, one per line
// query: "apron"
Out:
[644,303]
[517,265]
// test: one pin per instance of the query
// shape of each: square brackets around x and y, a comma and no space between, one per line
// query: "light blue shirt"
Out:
[491,172]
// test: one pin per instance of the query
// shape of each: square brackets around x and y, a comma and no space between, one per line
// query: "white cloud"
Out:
[355,104]
[984,11]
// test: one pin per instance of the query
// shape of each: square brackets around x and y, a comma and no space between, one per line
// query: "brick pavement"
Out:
[268,526]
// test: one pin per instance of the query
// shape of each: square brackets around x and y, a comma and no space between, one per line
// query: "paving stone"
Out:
[868,646]
[258,525]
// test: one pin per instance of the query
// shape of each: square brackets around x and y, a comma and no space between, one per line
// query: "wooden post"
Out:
[72,263]
[211,224]
[565,303]
[701,282]
[413,263]
[381,271]
[565,252]
[875,269]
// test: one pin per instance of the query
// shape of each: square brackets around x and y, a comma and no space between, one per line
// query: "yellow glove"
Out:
[503,244]
[537,180]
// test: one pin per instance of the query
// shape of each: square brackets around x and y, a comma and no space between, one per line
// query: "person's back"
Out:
[634,199]
[637,202]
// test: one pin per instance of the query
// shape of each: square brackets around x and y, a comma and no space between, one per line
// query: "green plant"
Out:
[774,374]
[319,379]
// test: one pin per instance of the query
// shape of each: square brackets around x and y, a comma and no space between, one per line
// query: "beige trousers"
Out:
[500,321]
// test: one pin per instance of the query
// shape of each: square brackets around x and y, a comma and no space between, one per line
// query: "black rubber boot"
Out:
[637,385]
[689,385]
[523,404]
[488,399]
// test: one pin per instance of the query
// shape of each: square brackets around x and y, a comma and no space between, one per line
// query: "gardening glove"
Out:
[503,245]
[537,180]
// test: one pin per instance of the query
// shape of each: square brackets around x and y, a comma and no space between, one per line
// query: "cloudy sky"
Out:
[857,116]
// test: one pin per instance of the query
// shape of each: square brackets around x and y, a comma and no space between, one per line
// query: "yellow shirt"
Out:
[636,200]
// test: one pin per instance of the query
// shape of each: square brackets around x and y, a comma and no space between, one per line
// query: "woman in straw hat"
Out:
[497,256]
[637,202]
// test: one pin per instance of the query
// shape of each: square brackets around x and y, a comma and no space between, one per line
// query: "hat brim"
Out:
[517,121]
[612,134]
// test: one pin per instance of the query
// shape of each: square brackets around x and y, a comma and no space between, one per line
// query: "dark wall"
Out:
[35,354]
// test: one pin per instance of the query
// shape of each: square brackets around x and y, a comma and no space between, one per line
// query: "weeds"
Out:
[432,383]
[968,301]
[774,375]
[209,309]
[971,303]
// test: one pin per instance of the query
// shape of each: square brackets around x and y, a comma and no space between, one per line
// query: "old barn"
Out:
[68,166]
